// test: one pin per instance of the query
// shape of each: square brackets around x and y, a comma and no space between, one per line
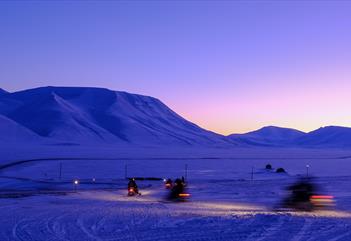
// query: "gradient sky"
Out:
[230,66]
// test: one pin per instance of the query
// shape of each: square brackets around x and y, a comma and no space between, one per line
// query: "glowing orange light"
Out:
[184,195]
[322,197]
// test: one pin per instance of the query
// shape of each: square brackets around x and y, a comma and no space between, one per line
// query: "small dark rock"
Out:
[280,170]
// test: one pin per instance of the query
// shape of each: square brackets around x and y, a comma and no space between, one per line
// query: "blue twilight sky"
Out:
[229,66]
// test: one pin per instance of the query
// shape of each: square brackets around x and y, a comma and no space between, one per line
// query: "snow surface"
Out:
[219,209]
[36,204]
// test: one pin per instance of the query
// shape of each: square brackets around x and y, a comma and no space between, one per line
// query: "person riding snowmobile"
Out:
[302,191]
[178,191]
[303,196]
[132,187]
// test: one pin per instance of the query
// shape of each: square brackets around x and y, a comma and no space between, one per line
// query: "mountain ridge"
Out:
[328,136]
[268,136]
[3,92]
[86,115]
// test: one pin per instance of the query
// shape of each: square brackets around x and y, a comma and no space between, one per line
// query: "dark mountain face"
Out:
[100,115]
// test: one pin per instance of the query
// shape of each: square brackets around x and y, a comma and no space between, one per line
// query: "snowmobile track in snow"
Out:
[99,217]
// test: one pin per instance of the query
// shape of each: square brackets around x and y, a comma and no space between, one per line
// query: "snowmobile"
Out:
[178,192]
[303,197]
[314,202]
[132,191]
[168,183]
[133,188]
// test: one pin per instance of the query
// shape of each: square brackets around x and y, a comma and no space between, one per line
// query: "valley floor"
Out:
[38,204]
[218,210]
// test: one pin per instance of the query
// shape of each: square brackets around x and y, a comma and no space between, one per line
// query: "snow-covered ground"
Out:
[225,203]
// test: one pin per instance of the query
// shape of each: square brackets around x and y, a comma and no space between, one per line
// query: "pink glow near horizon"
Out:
[228,66]
[305,108]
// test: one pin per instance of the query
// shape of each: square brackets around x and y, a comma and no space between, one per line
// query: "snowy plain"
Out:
[225,203]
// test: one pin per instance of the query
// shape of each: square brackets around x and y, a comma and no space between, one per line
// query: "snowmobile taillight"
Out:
[322,200]
[184,195]
[322,197]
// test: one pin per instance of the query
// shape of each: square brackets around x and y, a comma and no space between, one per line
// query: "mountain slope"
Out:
[330,136]
[269,136]
[11,131]
[3,92]
[88,115]
[74,115]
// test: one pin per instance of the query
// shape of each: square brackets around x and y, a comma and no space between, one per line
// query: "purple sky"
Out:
[229,66]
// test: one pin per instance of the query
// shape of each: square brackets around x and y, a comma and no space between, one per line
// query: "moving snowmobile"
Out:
[178,192]
[303,196]
[168,183]
[133,188]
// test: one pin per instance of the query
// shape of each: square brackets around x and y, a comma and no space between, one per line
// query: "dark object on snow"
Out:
[303,196]
[280,170]
[133,188]
[178,192]
[269,167]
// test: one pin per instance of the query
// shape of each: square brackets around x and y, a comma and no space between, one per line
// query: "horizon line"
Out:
[208,129]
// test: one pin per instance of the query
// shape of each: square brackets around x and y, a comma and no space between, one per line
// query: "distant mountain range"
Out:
[269,136]
[330,136]
[79,116]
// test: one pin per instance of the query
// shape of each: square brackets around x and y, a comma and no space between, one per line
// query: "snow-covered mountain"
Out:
[78,115]
[269,136]
[330,136]
[3,92]
[95,115]
[14,132]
